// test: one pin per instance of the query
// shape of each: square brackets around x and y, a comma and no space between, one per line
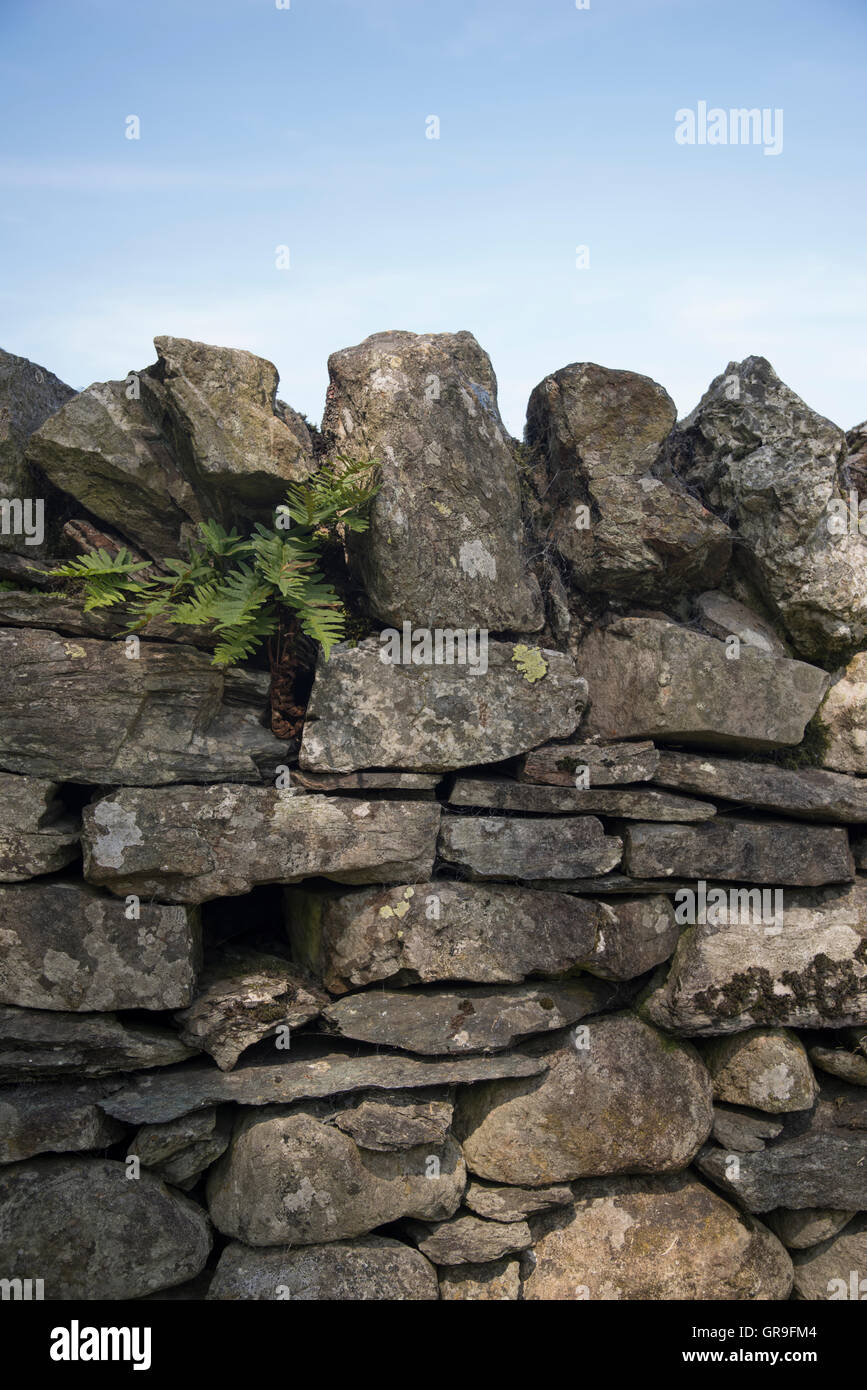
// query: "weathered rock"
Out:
[618,1097]
[468,1239]
[835,1269]
[808,793]
[843,719]
[859,850]
[55,1117]
[444,547]
[809,971]
[79,710]
[28,395]
[189,844]
[370,1268]
[746,851]
[742,1131]
[36,837]
[473,1019]
[652,679]
[766,1068]
[287,1177]
[599,433]
[499,1203]
[723,616]
[242,997]
[654,1239]
[413,783]
[502,794]
[95,1234]
[37,1042]
[488,934]
[848,1065]
[498,1281]
[310,1072]
[759,455]
[496,847]
[398,1121]
[433,718]
[180,1151]
[800,1229]
[65,946]
[605,764]
[23,608]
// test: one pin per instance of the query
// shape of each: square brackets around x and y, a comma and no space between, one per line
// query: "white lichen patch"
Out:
[116,832]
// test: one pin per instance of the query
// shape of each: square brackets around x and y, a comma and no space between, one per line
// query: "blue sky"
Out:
[306,127]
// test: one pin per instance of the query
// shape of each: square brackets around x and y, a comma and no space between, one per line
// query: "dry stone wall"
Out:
[537,967]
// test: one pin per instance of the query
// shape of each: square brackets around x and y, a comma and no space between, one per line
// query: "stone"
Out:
[842,719]
[654,679]
[499,1203]
[806,793]
[473,1019]
[606,764]
[243,996]
[766,1068]
[399,1121]
[25,608]
[742,1131]
[39,1043]
[482,933]
[36,836]
[838,1061]
[65,946]
[497,847]
[95,1234]
[191,844]
[810,971]
[180,1151]
[435,718]
[364,1270]
[859,850]
[497,1281]
[310,1072]
[654,1239]
[407,783]
[599,433]
[757,454]
[29,394]
[745,851]
[445,544]
[798,1230]
[835,1269]
[55,1117]
[468,1239]
[617,1097]
[723,616]
[501,794]
[289,1178]
[80,711]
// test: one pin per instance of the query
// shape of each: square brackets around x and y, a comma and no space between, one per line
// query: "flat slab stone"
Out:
[368,1269]
[653,679]
[825,1272]
[190,844]
[435,718]
[798,1230]
[503,795]
[807,793]
[723,616]
[311,1071]
[499,1203]
[39,1043]
[415,782]
[837,1061]
[744,851]
[496,847]
[466,1239]
[55,1117]
[64,946]
[36,836]
[743,1131]
[399,1121]
[823,1169]
[606,764]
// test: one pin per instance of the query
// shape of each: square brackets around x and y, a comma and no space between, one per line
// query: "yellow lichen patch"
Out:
[386,911]
[409,892]
[443,509]
[401,910]
[530,662]
[73,649]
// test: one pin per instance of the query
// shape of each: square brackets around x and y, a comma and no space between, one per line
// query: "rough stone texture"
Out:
[513,1203]
[607,764]
[23,608]
[242,997]
[417,783]
[474,1019]
[723,616]
[180,1151]
[96,1234]
[433,718]
[488,934]
[825,1272]
[79,710]
[759,455]
[55,1117]
[625,1099]
[743,1131]
[655,1239]
[807,793]
[653,679]
[800,1229]
[287,1177]
[843,718]
[849,1065]
[310,1072]
[468,1239]
[496,847]
[810,971]
[599,433]
[498,1281]
[502,794]
[859,850]
[766,1068]
[37,1042]
[36,837]
[189,844]
[399,1121]
[65,946]
[372,1268]
[746,851]
[28,395]
[444,547]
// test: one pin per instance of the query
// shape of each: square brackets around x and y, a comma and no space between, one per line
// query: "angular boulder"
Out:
[723,616]
[466,1239]
[364,1270]
[497,847]
[36,836]
[29,394]
[745,851]
[836,1269]
[805,793]
[39,1043]
[55,1117]
[766,1068]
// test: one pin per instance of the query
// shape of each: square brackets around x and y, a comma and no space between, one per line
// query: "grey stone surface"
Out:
[843,719]
[806,793]
[515,848]
[745,851]
[798,1230]
[180,1151]
[368,1269]
[607,764]
[825,1272]
[743,1131]
[767,1068]
[397,1121]
[499,1203]
[467,1239]
[497,1281]
[36,837]
[40,1043]
[723,616]
[55,1117]
[502,794]
[29,394]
